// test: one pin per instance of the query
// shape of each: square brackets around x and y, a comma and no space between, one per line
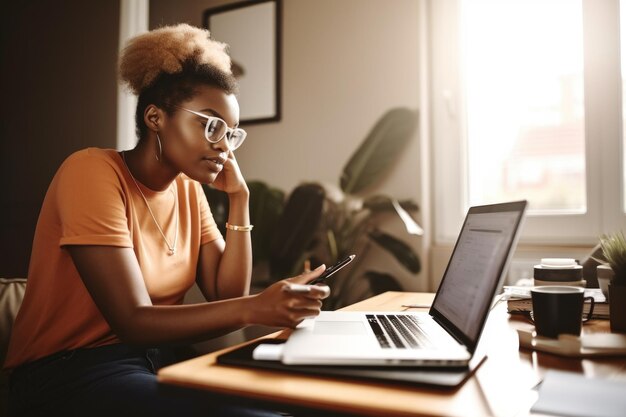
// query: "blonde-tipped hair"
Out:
[168,50]
[165,66]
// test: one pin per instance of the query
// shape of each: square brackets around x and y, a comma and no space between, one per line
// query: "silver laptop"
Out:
[448,334]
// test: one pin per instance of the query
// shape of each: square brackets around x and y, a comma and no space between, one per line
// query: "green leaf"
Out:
[400,250]
[614,251]
[296,228]
[266,206]
[410,225]
[379,151]
[383,203]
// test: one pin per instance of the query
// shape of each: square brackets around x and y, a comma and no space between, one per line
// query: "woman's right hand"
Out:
[277,306]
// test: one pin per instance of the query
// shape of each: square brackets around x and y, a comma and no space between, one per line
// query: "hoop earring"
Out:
[160,155]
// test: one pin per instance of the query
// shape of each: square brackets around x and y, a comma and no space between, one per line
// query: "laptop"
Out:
[445,336]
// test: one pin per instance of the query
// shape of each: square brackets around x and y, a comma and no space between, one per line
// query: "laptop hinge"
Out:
[452,332]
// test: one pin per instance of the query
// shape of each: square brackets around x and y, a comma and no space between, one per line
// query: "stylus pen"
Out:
[416,305]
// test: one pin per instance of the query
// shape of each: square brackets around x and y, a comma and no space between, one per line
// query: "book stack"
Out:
[518,301]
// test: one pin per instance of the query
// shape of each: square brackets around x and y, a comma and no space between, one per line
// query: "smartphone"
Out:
[331,270]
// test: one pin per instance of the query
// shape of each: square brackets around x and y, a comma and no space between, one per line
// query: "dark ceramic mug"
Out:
[558,309]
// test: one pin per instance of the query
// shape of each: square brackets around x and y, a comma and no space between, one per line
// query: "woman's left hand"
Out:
[230,180]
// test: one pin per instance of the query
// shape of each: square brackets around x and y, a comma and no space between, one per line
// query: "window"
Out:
[622,20]
[526,104]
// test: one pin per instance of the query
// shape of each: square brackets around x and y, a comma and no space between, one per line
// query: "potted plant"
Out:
[323,223]
[614,251]
[352,215]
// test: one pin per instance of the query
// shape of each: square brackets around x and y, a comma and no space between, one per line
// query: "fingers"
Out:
[294,316]
[308,276]
[293,311]
[318,292]
[286,303]
[315,292]
[300,304]
[303,303]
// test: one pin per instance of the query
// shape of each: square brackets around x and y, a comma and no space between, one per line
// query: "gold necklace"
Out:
[172,248]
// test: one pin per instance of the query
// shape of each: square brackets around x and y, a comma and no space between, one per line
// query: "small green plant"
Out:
[614,251]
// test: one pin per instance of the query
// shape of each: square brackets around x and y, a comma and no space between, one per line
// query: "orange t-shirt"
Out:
[93,200]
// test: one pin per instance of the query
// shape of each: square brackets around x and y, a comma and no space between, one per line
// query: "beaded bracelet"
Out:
[239,228]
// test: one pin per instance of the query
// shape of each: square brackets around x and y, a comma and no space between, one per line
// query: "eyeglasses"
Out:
[216,129]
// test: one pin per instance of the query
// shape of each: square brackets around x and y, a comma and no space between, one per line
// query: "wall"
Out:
[58,95]
[344,64]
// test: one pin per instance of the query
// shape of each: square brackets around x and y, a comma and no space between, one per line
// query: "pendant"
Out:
[172,252]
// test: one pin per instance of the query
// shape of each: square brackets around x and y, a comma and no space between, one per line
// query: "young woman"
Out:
[122,236]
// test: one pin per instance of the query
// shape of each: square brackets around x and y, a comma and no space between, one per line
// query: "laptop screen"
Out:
[475,268]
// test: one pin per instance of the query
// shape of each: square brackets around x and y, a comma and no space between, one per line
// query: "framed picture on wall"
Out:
[252,31]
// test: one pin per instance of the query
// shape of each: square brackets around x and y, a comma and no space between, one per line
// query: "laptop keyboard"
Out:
[399,331]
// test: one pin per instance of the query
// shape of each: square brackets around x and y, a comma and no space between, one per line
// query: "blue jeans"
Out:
[114,381]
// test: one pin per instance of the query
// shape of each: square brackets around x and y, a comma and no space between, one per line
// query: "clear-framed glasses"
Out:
[216,129]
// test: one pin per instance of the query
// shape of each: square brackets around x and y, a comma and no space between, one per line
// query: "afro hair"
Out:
[164,66]
[169,50]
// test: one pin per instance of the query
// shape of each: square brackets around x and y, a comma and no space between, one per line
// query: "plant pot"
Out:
[617,308]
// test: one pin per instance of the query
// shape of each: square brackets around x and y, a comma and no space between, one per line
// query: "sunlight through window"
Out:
[523,66]
[622,12]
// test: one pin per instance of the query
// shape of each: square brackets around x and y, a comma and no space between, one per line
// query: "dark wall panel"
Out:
[59,94]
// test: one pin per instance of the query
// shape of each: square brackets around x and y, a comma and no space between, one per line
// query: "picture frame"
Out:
[252,31]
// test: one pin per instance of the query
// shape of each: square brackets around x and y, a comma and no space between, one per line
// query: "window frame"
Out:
[603,123]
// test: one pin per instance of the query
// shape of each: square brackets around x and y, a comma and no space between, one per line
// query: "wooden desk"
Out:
[502,386]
